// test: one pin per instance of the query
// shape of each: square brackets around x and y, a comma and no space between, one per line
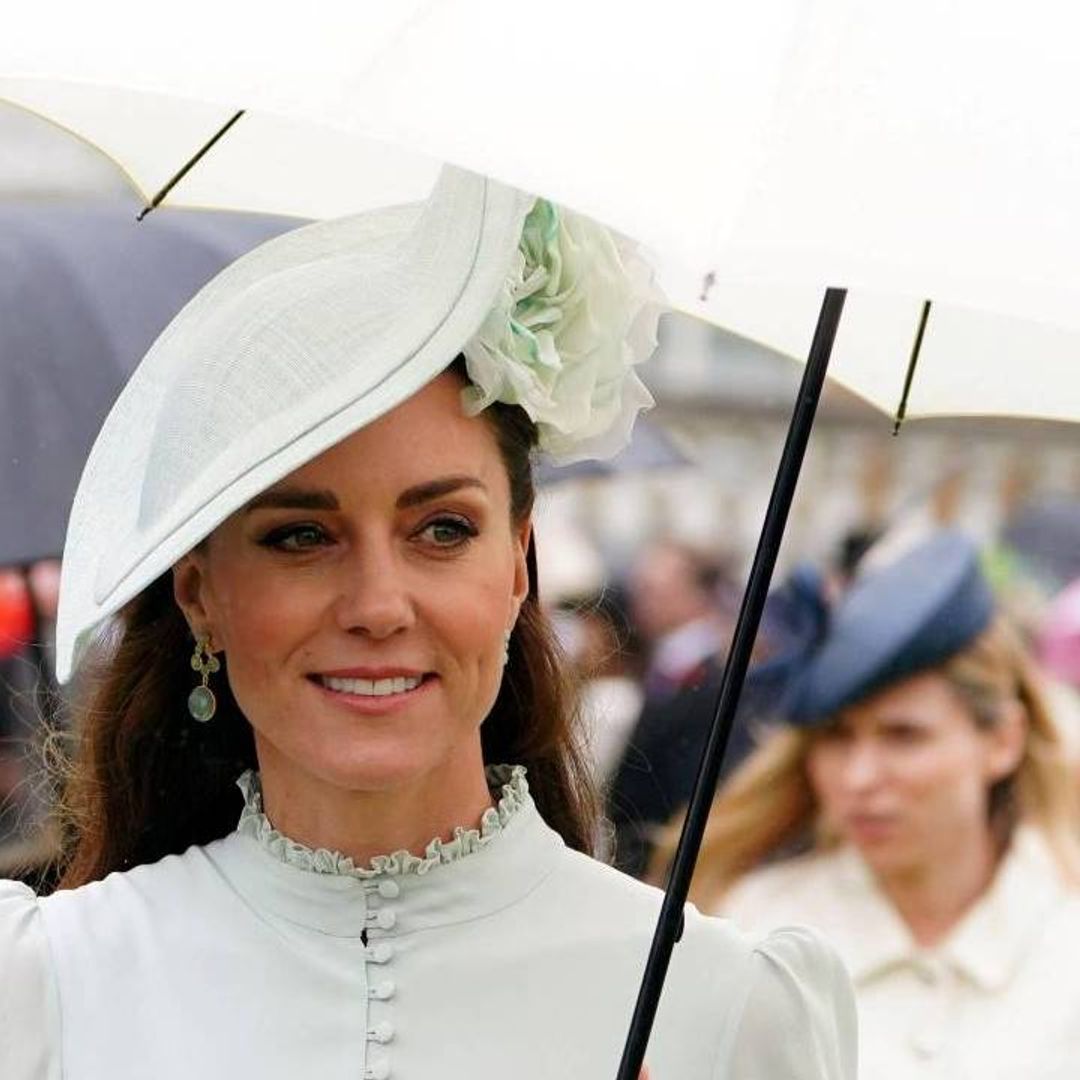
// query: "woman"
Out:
[310,512]
[927,779]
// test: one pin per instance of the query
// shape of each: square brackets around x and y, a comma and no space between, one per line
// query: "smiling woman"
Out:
[359,848]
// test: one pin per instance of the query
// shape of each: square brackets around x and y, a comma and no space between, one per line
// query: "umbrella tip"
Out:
[143,212]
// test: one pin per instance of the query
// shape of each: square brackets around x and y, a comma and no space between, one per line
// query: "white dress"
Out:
[500,954]
[998,999]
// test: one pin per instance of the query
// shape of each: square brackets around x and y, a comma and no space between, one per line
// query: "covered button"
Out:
[382,1032]
[389,889]
[385,920]
[384,991]
[378,1070]
[381,953]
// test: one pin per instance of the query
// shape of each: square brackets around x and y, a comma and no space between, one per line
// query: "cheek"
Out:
[265,623]
[960,775]
[468,619]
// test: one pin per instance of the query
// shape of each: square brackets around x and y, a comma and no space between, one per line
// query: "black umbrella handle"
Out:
[669,925]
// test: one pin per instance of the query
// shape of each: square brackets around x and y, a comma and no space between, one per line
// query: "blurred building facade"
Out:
[727,401]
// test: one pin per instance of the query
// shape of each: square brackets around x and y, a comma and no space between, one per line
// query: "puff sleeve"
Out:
[29,1014]
[798,1022]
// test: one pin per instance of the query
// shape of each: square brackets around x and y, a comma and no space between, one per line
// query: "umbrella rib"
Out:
[192,162]
[916,348]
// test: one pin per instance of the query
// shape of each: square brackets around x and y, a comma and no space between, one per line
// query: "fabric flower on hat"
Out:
[578,310]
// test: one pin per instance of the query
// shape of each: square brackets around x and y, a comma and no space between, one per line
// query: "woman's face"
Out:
[905,775]
[362,603]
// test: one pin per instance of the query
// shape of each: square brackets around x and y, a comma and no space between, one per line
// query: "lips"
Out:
[871,826]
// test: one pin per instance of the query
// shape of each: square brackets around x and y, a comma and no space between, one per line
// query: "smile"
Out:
[370,687]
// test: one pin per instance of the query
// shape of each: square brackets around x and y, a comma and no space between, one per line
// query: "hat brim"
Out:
[127,527]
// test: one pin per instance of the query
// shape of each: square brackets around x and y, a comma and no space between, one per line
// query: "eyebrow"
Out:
[436,489]
[294,498]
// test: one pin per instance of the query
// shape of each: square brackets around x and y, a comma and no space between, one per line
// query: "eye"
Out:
[296,537]
[904,733]
[837,732]
[448,531]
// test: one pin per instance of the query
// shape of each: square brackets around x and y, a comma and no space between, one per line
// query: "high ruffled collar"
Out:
[508,780]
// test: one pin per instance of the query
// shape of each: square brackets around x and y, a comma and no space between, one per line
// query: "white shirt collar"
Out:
[987,945]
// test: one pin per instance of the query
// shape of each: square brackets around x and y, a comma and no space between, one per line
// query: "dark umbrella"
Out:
[84,291]
[650,447]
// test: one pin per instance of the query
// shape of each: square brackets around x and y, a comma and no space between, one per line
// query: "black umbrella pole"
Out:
[669,925]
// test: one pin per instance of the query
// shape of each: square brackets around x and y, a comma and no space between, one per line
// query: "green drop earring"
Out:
[201,702]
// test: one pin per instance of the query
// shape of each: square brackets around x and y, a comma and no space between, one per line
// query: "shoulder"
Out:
[790,891]
[129,907]
[29,1020]
[20,930]
[799,1020]
[755,991]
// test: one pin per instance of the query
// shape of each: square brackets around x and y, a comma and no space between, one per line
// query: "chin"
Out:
[887,857]
[367,767]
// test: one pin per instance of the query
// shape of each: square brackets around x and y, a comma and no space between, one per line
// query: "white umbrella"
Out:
[920,151]
[925,151]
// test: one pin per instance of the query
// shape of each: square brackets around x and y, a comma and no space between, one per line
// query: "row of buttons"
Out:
[381,952]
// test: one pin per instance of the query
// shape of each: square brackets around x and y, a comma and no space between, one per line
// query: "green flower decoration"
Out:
[576,313]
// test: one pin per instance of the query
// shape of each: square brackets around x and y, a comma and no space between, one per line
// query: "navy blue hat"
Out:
[909,616]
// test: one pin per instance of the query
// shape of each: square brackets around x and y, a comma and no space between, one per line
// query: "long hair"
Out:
[768,810]
[144,781]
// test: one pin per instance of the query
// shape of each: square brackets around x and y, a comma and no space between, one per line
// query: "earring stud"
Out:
[201,702]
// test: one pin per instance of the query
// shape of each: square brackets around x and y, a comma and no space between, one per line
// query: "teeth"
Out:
[369,687]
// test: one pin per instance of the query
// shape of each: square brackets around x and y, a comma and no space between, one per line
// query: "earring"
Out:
[506,648]
[201,702]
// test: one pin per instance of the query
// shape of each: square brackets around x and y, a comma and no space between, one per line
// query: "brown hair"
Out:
[146,782]
[768,810]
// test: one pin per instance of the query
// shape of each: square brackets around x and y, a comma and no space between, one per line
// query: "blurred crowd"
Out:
[904,772]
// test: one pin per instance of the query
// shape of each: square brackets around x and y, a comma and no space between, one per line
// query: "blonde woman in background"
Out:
[925,789]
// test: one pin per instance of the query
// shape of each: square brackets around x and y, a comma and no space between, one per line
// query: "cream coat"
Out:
[999,999]
[501,955]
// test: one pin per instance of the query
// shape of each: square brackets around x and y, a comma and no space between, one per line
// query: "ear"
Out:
[1006,742]
[522,539]
[190,591]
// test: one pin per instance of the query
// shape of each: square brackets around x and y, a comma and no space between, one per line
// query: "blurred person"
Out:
[327,814]
[674,593]
[1059,636]
[29,705]
[606,655]
[592,625]
[656,775]
[16,631]
[919,811]
[674,600]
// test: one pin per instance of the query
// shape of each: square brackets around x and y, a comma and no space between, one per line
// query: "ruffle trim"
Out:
[254,823]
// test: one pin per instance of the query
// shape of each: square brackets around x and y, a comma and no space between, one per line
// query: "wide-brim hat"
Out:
[291,349]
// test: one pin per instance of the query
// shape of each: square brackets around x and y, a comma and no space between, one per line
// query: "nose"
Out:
[374,597]
[862,767]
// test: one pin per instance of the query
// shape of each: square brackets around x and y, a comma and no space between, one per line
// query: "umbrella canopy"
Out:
[766,151]
[84,290]
[762,150]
